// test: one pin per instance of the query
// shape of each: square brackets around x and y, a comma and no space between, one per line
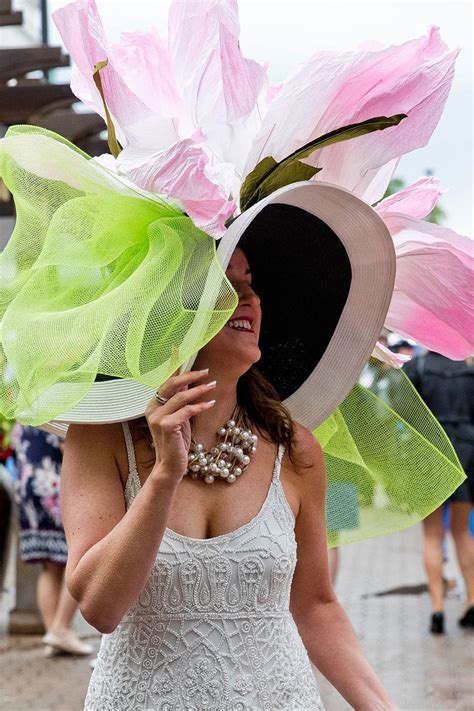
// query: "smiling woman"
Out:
[113,284]
[216,583]
[242,331]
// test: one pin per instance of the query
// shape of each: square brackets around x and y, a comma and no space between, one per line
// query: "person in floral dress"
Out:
[42,540]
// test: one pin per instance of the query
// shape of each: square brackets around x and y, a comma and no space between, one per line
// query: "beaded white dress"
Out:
[212,628]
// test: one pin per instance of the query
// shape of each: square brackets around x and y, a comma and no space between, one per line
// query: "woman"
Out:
[178,648]
[125,288]
[42,537]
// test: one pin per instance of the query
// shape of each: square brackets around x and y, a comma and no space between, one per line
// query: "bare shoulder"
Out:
[93,435]
[304,475]
[96,446]
[309,458]
[92,499]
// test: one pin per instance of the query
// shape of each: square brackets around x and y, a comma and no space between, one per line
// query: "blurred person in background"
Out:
[447,387]
[42,539]
[6,462]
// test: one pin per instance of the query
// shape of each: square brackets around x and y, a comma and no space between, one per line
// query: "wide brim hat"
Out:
[323,265]
[110,289]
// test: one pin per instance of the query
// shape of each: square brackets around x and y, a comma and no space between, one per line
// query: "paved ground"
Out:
[422,673]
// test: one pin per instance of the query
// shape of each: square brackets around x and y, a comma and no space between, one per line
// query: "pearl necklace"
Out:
[228,459]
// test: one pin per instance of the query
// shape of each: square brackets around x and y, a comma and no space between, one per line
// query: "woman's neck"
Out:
[205,426]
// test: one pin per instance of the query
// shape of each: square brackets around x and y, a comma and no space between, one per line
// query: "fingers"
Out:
[185,397]
[175,420]
[180,382]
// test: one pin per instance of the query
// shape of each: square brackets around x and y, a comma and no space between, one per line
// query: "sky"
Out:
[283,33]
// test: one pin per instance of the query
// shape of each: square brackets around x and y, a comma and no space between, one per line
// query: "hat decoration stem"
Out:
[113,144]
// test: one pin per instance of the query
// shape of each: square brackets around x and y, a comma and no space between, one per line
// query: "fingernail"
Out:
[210,402]
[205,370]
[212,384]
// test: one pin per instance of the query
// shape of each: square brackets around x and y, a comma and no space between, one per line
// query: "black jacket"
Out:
[447,387]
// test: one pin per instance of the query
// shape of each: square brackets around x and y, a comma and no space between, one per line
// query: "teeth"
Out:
[242,325]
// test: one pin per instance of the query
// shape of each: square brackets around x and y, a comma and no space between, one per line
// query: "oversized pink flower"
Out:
[162,93]
[182,172]
[197,82]
[434,289]
[334,89]
[194,117]
[433,299]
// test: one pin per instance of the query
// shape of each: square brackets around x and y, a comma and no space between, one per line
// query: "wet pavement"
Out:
[381,588]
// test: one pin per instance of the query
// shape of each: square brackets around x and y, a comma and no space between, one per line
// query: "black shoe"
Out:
[467,620]
[437,623]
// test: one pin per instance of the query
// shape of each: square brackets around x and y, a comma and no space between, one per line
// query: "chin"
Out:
[242,361]
[230,353]
[239,361]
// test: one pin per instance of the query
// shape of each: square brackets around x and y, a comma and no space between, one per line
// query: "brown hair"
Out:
[262,409]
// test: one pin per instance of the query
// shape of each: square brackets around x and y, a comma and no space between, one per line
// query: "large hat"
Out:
[323,264]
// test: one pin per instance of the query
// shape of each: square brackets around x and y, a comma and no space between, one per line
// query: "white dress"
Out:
[212,628]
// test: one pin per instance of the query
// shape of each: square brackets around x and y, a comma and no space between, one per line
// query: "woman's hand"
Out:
[170,425]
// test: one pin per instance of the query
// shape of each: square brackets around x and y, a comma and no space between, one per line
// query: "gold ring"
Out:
[160,399]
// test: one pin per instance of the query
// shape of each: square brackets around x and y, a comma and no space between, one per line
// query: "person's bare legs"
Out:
[464,542]
[48,591]
[57,608]
[65,610]
[433,535]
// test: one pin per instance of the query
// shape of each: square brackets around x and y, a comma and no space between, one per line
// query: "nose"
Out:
[247,295]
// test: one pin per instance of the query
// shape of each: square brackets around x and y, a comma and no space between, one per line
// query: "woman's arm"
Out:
[111,551]
[323,625]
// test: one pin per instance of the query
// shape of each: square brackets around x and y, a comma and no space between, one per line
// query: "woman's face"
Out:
[236,345]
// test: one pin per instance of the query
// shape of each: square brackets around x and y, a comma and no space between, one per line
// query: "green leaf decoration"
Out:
[257,176]
[268,175]
[292,172]
[114,145]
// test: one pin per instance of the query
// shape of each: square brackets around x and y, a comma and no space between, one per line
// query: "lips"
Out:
[244,324]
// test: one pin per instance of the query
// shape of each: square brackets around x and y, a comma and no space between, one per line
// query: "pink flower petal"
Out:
[145,66]
[413,78]
[433,300]
[377,180]
[273,90]
[82,32]
[417,200]
[183,174]
[213,77]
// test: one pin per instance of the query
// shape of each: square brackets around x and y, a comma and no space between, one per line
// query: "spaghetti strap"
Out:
[132,463]
[278,461]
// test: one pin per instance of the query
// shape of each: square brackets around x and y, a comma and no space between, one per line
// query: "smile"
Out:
[241,324]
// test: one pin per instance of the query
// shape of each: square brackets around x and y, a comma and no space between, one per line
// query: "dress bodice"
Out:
[212,627]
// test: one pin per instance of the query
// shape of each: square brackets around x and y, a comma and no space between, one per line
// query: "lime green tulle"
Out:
[97,278]
[389,461]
